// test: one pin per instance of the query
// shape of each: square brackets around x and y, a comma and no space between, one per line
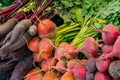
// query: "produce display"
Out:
[60,40]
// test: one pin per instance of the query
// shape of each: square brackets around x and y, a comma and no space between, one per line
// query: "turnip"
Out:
[109,34]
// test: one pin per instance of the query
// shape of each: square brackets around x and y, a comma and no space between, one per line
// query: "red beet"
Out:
[89,48]
[61,64]
[101,76]
[109,34]
[102,64]
[107,48]
[116,50]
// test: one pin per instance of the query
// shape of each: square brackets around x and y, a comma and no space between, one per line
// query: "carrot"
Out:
[32,30]
[18,29]
[5,50]
[49,75]
[22,68]
[6,27]
[67,76]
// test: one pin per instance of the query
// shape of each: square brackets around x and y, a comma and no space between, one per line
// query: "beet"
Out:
[107,48]
[102,64]
[114,69]
[102,76]
[109,34]
[116,50]
[91,65]
[89,75]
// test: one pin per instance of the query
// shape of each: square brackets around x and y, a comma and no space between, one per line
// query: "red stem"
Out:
[8,11]
[37,13]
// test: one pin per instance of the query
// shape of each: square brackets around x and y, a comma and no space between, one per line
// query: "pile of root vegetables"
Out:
[61,62]
[27,51]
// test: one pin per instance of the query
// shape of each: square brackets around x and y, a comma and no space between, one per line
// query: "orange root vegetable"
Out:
[47,64]
[49,75]
[71,63]
[36,57]
[67,76]
[109,33]
[101,76]
[63,51]
[33,44]
[45,48]
[46,29]
[34,74]
[61,64]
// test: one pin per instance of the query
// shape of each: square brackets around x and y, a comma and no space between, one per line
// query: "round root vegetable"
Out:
[101,76]
[71,63]
[33,44]
[46,29]
[63,51]
[109,33]
[47,64]
[61,64]
[49,75]
[89,48]
[114,69]
[116,50]
[34,74]
[79,72]
[107,48]
[67,76]
[45,48]
[91,65]
[89,75]
[36,57]
[103,64]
